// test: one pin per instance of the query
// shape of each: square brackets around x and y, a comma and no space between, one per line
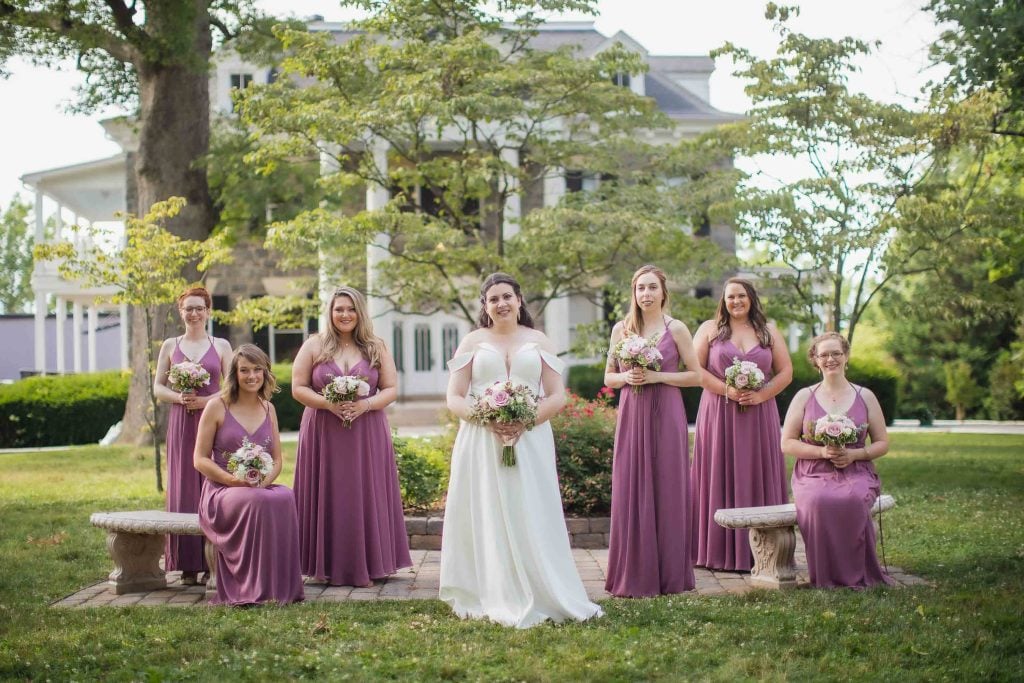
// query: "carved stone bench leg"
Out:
[210,550]
[136,562]
[774,565]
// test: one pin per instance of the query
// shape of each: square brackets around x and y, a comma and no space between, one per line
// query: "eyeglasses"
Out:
[830,354]
[194,309]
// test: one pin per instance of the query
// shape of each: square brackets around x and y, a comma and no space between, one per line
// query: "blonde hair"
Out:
[633,322]
[370,345]
[254,354]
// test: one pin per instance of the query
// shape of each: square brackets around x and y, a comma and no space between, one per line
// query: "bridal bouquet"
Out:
[635,351]
[834,430]
[505,402]
[745,376]
[251,463]
[185,377]
[343,388]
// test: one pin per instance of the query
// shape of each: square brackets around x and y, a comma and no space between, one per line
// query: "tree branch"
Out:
[88,35]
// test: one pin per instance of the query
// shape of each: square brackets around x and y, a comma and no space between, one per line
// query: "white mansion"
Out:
[92,192]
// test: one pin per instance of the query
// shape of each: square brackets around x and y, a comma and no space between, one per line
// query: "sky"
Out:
[39,134]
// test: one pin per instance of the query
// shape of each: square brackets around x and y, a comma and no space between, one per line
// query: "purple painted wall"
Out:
[17,344]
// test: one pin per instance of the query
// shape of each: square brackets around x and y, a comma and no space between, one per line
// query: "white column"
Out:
[59,218]
[556,313]
[271,343]
[377,197]
[40,221]
[325,284]
[513,203]
[94,319]
[76,335]
[62,312]
[40,333]
[124,336]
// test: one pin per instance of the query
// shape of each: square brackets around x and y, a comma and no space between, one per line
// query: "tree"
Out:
[471,121]
[151,58]
[962,389]
[147,272]
[15,257]
[982,47]
[862,162]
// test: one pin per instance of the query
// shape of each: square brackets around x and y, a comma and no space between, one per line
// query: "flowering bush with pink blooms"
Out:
[251,463]
[584,442]
[505,402]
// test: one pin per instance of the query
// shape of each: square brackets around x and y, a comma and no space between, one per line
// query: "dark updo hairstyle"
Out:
[755,315]
[812,350]
[199,291]
[484,320]
[253,354]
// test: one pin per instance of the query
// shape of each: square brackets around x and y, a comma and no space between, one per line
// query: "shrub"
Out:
[586,380]
[422,472]
[289,411]
[58,410]
[584,439]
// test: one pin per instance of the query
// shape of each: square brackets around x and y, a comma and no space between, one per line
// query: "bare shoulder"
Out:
[868,395]
[214,410]
[168,344]
[311,346]
[222,345]
[618,329]
[677,327]
[543,341]
[705,329]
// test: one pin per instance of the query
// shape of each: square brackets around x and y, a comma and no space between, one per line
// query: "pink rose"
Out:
[834,429]
[253,476]
[499,399]
[363,389]
[741,380]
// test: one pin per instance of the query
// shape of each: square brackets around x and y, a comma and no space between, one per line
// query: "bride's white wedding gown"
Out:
[505,552]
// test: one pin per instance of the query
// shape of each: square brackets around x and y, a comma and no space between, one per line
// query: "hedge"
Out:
[587,380]
[58,410]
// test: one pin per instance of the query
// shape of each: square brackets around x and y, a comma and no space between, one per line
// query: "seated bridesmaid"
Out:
[252,523]
[835,487]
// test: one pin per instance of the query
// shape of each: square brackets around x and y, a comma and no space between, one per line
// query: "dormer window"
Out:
[621,79]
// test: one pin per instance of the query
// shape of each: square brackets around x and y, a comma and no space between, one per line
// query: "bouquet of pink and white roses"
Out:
[834,430]
[185,377]
[251,463]
[344,388]
[505,402]
[744,375]
[635,351]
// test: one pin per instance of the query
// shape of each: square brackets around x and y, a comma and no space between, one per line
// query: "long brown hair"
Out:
[755,315]
[254,354]
[370,345]
[484,320]
[633,322]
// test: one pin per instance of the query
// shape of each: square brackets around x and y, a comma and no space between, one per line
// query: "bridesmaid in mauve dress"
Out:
[737,461]
[649,545]
[253,526]
[352,528]
[835,487]
[184,483]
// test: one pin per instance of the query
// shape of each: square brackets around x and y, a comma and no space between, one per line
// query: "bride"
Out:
[505,552]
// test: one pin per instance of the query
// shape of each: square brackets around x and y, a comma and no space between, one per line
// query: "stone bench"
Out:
[772,539]
[135,541]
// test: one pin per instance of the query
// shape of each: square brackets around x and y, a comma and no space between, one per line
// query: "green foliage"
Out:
[1003,402]
[422,472]
[880,377]
[584,441]
[289,411]
[424,77]
[962,390]
[862,161]
[15,257]
[586,380]
[56,410]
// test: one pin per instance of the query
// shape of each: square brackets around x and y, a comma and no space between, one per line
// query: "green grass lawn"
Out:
[959,523]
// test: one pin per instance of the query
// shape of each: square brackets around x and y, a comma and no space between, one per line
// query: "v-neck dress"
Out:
[505,552]
[737,462]
[351,524]
[255,529]
[184,482]
[649,545]
[833,510]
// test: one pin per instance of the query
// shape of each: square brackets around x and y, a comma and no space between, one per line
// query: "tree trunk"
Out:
[174,134]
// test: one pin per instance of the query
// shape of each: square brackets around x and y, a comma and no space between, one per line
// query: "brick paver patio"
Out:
[421,581]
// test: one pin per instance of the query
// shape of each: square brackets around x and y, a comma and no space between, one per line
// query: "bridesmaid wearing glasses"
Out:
[835,487]
[184,483]
[736,457]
